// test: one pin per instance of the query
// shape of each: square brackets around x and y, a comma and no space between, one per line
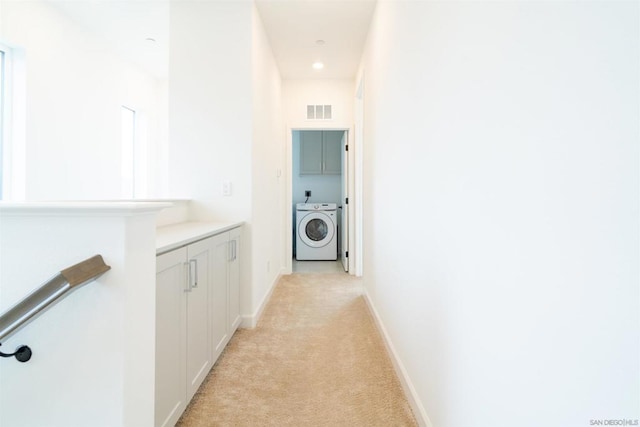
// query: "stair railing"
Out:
[52,291]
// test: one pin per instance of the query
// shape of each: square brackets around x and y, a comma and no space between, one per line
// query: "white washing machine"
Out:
[317,231]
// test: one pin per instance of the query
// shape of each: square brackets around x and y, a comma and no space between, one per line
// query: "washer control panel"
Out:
[316,206]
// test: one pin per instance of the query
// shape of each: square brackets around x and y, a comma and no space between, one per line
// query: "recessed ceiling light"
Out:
[319,42]
[318,65]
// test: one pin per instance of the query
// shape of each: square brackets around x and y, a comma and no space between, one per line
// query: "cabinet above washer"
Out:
[321,152]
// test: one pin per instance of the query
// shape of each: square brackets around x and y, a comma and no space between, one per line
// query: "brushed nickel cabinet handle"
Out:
[187,277]
[194,262]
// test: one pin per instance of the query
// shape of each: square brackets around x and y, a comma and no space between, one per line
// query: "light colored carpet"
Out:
[315,359]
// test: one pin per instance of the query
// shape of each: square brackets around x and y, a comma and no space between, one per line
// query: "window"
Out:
[3,110]
[13,108]
[133,161]
[128,119]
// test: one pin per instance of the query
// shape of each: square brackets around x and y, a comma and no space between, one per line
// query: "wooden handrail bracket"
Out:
[85,271]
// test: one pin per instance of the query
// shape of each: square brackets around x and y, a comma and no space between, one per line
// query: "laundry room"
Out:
[317,180]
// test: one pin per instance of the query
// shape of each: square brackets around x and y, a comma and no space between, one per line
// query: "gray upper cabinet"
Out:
[320,152]
[332,152]
[310,153]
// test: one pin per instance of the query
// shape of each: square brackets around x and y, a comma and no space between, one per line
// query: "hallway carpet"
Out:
[315,359]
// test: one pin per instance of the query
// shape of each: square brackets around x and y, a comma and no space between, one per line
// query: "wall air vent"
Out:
[319,112]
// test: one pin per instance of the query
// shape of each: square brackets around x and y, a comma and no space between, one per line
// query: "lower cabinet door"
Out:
[199,355]
[219,305]
[170,337]
[234,280]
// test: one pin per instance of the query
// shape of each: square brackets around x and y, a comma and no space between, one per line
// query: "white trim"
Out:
[251,321]
[409,390]
[357,177]
[353,230]
[288,218]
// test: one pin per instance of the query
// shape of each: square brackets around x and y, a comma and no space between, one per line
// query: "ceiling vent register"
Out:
[319,112]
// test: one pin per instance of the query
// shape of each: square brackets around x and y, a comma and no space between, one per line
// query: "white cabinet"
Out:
[197,312]
[171,322]
[226,289]
[321,152]
[198,291]
[183,327]
[220,294]
[234,280]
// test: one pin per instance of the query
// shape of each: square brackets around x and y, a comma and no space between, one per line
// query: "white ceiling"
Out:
[292,27]
[124,26]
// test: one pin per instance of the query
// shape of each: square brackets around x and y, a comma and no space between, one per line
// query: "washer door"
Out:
[316,229]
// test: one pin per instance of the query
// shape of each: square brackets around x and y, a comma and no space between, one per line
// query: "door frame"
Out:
[356,161]
[354,226]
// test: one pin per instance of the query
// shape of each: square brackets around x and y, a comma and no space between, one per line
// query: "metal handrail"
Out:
[46,296]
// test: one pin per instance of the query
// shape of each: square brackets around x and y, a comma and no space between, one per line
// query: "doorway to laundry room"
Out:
[319,212]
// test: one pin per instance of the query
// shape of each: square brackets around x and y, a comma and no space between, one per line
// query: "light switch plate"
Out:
[226,188]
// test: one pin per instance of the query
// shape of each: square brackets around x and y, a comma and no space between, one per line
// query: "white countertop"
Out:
[175,236]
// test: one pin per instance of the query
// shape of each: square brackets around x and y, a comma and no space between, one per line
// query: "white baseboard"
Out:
[250,321]
[418,410]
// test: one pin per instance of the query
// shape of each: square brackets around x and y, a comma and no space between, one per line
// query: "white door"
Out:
[345,202]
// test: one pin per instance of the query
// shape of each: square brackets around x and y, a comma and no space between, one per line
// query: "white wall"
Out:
[297,94]
[501,206]
[210,106]
[268,180]
[93,351]
[225,124]
[210,127]
[75,87]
